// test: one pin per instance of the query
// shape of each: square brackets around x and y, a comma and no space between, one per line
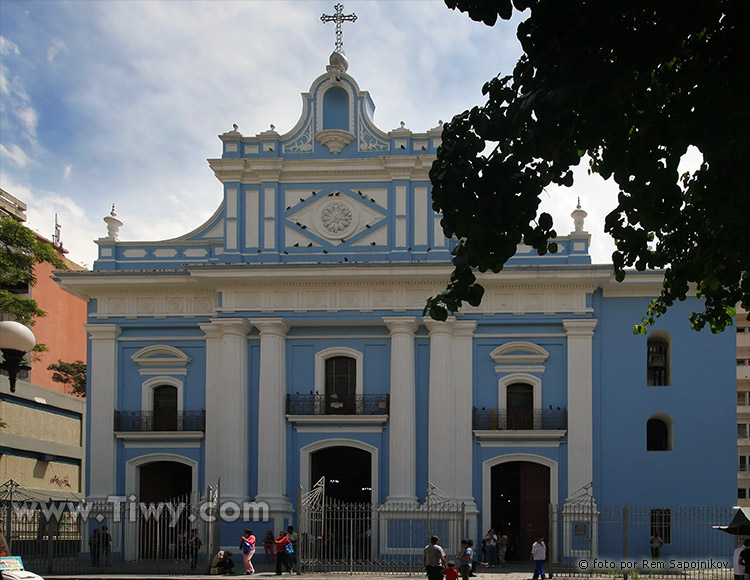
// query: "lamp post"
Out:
[15,341]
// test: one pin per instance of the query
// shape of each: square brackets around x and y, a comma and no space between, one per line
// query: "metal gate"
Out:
[336,536]
[121,535]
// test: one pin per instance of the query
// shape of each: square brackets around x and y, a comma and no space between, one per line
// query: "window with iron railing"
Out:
[155,421]
[323,404]
[553,419]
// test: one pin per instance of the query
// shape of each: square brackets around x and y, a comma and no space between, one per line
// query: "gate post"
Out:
[625,537]
[551,538]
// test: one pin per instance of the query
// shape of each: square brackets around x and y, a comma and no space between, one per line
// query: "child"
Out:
[463,560]
[450,572]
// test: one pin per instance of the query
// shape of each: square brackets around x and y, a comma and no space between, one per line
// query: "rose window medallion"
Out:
[336,217]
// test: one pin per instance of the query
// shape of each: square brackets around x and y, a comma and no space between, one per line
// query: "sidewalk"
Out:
[512,572]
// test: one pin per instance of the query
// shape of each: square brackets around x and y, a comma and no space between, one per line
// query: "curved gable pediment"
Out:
[520,351]
[161,355]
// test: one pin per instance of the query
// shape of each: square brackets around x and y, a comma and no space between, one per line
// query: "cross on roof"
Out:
[339,17]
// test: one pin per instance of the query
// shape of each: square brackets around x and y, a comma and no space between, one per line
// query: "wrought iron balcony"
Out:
[503,419]
[160,421]
[319,404]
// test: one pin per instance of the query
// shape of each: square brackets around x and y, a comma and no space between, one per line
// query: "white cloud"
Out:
[54,49]
[15,154]
[8,47]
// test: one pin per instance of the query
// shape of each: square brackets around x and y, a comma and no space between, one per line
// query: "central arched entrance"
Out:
[162,482]
[517,491]
[347,472]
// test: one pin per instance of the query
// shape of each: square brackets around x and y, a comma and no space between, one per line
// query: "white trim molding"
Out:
[512,457]
[320,368]
[147,391]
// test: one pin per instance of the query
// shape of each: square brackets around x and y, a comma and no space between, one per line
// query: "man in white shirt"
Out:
[539,555]
[434,559]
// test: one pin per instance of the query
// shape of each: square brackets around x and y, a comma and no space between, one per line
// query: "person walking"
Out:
[738,563]
[293,537]
[283,547]
[656,542]
[463,560]
[539,555]
[247,547]
[433,559]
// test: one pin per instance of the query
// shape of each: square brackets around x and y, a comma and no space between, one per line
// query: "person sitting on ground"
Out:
[222,563]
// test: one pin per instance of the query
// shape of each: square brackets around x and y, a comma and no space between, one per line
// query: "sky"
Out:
[108,102]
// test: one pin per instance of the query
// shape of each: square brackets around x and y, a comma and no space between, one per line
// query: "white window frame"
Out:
[320,367]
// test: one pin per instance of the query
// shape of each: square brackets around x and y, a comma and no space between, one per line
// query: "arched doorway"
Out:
[347,471]
[520,497]
[160,483]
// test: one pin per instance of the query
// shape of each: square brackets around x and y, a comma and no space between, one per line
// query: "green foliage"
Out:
[20,249]
[632,84]
[71,374]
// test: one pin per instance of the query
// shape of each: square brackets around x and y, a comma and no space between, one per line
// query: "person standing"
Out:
[269,548]
[105,540]
[738,563]
[433,559]
[539,555]
[247,546]
[95,546]
[489,547]
[502,549]
[744,560]
[292,556]
[194,545]
[282,546]
[463,560]
[656,542]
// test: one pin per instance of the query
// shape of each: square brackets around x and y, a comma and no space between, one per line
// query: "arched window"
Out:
[659,434]
[520,406]
[340,385]
[165,408]
[658,361]
[336,109]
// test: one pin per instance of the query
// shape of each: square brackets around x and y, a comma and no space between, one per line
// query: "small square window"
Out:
[742,430]
[742,465]
[741,493]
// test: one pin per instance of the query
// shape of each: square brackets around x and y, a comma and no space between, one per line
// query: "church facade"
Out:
[284,340]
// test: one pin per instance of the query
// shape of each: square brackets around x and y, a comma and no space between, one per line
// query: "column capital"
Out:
[277,326]
[401,324]
[464,328]
[103,331]
[579,327]
[439,326]
[218,327]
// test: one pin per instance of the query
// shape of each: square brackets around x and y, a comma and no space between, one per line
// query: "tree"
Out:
[20,249]
[630,84]
[71,374]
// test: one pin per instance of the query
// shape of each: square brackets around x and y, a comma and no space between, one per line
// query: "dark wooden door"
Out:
[534,500]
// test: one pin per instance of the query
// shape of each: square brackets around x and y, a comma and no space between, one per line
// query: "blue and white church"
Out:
[284,341]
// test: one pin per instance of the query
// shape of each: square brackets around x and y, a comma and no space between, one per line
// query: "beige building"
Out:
[41,442]
[743,408]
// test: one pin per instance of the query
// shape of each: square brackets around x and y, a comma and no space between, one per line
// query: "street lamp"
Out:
[15,341]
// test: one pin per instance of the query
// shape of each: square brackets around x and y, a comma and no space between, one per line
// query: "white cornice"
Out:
[256,170]
[160,435]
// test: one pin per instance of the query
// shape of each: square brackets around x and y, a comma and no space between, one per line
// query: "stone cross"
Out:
[339,17]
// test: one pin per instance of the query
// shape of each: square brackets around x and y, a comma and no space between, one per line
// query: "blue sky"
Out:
[121,102]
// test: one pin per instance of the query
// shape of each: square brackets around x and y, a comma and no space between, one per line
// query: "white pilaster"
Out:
[580,403]
[403,436]
[271,416]
[463,351]
[441,452]
[227,406]
[101,397]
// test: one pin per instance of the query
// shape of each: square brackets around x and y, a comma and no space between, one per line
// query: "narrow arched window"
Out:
[658,436]
[340,385]
[520,406]
[657,362]
[165,408]
[336,109]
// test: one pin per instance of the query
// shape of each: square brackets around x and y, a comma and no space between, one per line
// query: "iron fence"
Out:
[341,537]
[112,537]
[330,404]
[160,421]
[502,419]
[587,539]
